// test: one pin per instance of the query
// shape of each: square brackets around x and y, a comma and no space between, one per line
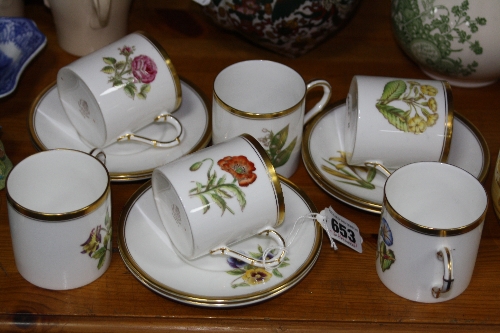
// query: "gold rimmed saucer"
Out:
[50,128]
[214,281]
[324,158]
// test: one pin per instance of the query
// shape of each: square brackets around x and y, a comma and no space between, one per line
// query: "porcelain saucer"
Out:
[323,142]
[210,281]
[50,128]
[20,42]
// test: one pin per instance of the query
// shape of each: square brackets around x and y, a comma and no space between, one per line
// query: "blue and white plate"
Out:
[20,41]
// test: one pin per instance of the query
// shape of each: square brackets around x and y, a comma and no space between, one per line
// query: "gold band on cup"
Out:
[448,122]
[63,216]
[429,230]
[168,62]
[254,115]
[272,174]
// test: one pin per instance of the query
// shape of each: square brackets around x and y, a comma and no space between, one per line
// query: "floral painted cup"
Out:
[393,121]
[59,206]
[113,92]
[431,224]
[267,100]
[218,196]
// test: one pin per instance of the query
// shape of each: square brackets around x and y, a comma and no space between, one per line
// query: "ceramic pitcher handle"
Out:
[102,8]
[167,118]
[264,262]
[327,94]
[445,255]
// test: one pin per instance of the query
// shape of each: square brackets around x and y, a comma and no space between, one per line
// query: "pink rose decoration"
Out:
[144,69]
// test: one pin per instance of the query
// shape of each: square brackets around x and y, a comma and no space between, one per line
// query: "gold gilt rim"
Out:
[121,176]
[448,121]
[425,230]
[64,216]
[170,66]
[356,201]
[217,302]
[255,115]
[272,173]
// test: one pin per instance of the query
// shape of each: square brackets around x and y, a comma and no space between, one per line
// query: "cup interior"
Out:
[57,182]
[436,195]
[259,86]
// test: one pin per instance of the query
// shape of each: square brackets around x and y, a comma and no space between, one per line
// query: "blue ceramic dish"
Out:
[20,41]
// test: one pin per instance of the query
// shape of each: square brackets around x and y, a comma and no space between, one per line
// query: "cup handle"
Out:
[167,118]
[445,256]
[327,94]
[273,262]
[380,167]
[102,8]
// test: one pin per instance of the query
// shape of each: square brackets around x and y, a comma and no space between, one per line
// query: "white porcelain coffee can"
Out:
[220,195]
[432,219]
[396,121]
[59,206]
[115,91]
[267,100]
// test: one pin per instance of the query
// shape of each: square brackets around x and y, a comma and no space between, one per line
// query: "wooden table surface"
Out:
[342,292]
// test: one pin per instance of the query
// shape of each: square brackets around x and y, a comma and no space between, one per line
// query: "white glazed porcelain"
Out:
[393,121]
[431,224]
[361,187]
[85,26]
[217,196]
[112,93]
[215,281]
[50,128]
[59,205]
[453,40]
[126,160]
[266,100]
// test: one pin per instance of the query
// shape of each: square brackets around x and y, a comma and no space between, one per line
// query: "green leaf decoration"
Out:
[222,180]
[120,65]
[372,172]
[223,194]
[109,60]
[205,203]
[255,255]
[393,90]
[108,69]
[395,116]
[387,257]
[140,95]
[277,273]
[130,90]
[238,193]
[284,155]
[99,253]
[243,284]
[284,264]
[145,88]
[101,262]
[278,140]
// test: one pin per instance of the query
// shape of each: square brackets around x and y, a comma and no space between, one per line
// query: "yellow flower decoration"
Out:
[432,104]
[428,90]
[432,119]
[256,276]
[417,125]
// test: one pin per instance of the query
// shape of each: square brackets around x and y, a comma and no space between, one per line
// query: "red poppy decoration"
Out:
[240,168]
